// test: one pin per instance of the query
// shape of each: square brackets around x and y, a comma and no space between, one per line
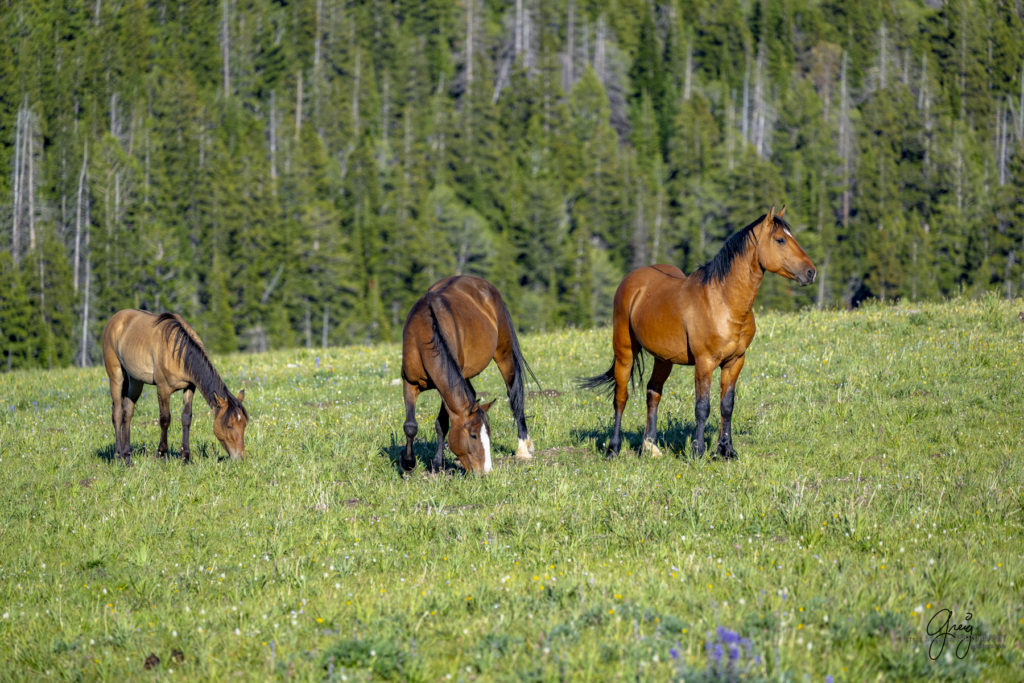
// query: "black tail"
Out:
[517,390]
[605,382]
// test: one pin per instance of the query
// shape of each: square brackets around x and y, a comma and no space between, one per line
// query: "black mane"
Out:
[736,245]
[453,373]
[197,364]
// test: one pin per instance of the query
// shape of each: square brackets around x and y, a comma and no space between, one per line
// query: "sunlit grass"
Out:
[879,480]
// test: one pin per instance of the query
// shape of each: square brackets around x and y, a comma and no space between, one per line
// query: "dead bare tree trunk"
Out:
[568,71]
[688,76]
[1020,108]
[882,57]
[600,57]
[273,139]
[28,176]
[298,98]
[78,215]
[355,91]
[469,42]
[323,330]
[308,327]
[83,359]
[225,47]
[16,181]
[845,143]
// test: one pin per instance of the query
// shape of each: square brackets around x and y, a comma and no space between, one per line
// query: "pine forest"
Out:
[292,173]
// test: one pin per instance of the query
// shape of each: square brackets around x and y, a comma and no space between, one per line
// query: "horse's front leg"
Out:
[702,403]
[410,393]
[163,397]
[441,429]
[730,373]
[186,421]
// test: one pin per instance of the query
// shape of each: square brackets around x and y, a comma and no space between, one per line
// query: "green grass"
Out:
[879,480]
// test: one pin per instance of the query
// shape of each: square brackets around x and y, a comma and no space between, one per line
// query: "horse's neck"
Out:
[740,286]
[454,388]
[209,387]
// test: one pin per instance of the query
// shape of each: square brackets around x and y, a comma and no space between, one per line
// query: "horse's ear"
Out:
[241,396]
[781,212]
[487,406]
[220,401]
[771,215]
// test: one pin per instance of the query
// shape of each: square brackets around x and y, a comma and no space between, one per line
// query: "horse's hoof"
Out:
[651,449]
[727,453]
[525,449]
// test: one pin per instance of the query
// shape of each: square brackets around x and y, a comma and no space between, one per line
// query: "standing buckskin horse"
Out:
[142,348]
[450,336]
[705,320]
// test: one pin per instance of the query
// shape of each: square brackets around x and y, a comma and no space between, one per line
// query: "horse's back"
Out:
[135,341]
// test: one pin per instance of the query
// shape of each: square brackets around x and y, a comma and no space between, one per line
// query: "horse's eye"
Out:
[474,436]
[780,240]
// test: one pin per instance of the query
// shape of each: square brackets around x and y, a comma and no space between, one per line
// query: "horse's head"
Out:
[470,438]
[779,252]
[229,420]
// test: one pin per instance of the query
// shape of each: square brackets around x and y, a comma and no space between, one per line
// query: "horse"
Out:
[451,334]
[704,320]
[143,348]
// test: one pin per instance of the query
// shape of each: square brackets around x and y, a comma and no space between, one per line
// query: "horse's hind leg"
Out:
[441,428]
[410,393]
[186,421]
[660,373]
[625,347]
[117,381]
[131,389]
[507,366]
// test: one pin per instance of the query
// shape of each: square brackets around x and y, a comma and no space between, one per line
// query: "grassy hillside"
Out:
[879,481]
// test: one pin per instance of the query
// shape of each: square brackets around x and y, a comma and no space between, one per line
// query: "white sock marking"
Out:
[485,438]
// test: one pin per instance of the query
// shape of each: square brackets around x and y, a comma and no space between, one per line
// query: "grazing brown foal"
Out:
[142,348]
[705,320]
[452,333]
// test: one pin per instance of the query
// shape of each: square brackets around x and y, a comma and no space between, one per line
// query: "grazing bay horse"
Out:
[704,320]
[142,348]
[450,336]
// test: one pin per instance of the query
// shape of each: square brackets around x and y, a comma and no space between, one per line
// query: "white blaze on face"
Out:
[786,230]
[485,439]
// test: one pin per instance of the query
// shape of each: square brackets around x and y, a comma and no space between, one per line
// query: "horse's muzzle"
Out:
[807,277]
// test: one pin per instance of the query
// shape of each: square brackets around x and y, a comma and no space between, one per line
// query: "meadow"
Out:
[880,481]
